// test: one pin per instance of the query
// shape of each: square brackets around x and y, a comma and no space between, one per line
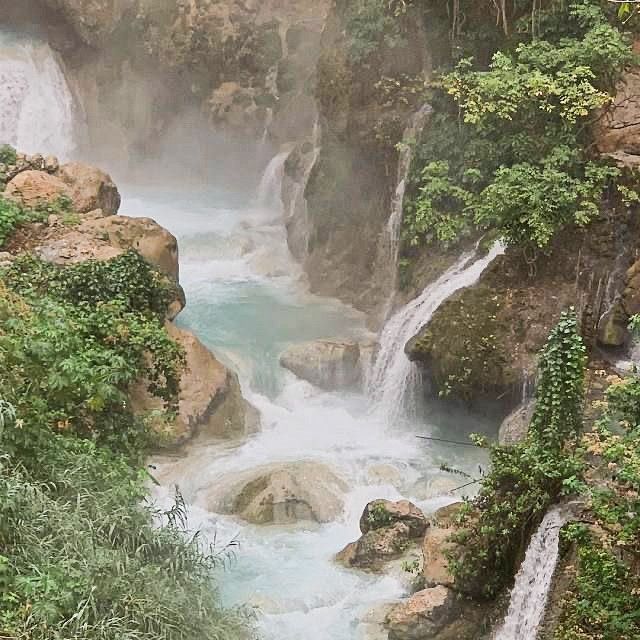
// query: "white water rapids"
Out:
[246,299]
[531,590]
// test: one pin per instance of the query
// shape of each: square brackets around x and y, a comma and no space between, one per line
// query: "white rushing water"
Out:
[531,590]
[247,302]
[394,381]
[36,103]
[391,235]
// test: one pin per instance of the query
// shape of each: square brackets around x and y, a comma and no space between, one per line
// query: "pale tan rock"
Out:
[34,188]
[281,494]
[423,615]
[90,188]
[435,546]
[210,401]
[328,364]
[153,242]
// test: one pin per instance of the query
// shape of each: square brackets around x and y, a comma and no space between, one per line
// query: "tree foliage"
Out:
[517,156]
[525,479]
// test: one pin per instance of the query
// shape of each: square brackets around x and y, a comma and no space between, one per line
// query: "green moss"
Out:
[464,345]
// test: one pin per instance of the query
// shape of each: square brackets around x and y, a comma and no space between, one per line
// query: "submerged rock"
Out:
[423,615]
[283,494]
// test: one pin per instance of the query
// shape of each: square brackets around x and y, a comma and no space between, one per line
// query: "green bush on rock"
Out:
[508,148]
[525,479]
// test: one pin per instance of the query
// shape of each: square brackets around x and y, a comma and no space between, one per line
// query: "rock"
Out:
[33,188]
[515,426]
[631,295]
[283,494]
[618,130]
[435,547]
[153,242]
[210,400]
[6,259]
[423,615]
[51,164]
[376,547]
[612,327]
[92,20]
[90,188]
[328,364]
[382,513]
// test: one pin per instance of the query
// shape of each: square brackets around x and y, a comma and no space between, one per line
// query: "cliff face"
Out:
[364,109]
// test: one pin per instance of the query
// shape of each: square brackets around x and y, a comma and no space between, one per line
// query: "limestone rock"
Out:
[423,615]
[612,327]
[90,188]
[328,364]
[376,547]
[515,426]
[210,400]
[153,242]
[631,295]
[618,131]
[435,546]
[92,20]
[32,188]
[382,513]
[283,494]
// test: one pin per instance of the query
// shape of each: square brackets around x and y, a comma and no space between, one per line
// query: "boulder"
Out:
[423,615]
[153,242]
[435,546]
[612,327]
[376,547]
[329,364]
[282,494]
[33,188]
[382,513]
[90,188]
[210,400]
[515,426]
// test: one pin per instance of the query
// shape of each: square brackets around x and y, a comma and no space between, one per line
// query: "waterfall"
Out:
[531,590]
[391,235]
[36,104]
[269,190]
[394,381]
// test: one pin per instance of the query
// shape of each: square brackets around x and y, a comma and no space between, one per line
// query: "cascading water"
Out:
[394,381]
[531,590]
[246,303]
[270,187]
[391,236]
[36,104]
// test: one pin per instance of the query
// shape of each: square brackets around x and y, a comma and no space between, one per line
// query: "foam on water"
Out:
[248,315]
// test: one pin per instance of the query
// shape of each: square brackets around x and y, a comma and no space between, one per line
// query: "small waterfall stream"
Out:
[36,103]
[270,187]
[391,236]
[394,381]
[531,590]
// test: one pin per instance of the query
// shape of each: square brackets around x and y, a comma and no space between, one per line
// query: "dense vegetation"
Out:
[82,554]
[527,478]
[510,143]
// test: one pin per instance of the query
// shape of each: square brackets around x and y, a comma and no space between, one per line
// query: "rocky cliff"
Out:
[89,228]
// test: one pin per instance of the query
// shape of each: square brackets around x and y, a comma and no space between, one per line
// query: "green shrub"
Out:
[8,154]
[511,148]
[81,557]
[527,478]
